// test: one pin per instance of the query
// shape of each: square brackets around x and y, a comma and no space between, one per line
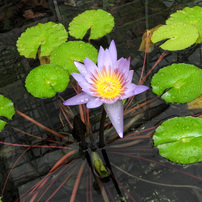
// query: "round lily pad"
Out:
[2,124]
[180,36]
[46,80]
[6,110]
[67,53]
[98,21]
[189,15]
[179,139]
[183,83]
[46,36]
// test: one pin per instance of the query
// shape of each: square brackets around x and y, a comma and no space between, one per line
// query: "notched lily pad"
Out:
[183,83]
[46,36]
[189,15]
[46,80]
[180,36]
[98,21]
[67,53]
[6,110]
[180,139]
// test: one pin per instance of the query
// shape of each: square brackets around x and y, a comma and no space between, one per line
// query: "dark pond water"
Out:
[139,173]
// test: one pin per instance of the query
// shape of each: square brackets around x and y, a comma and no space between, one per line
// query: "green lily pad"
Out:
[98,21]
[189,15]
[180,36]
[184,82]
[67,53]
[179,139]
[46,36]
[6,110]
[46,80]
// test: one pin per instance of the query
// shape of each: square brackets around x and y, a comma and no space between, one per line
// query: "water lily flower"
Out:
[107,83]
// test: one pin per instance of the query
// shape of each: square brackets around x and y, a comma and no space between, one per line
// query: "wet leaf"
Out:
[180,139]
[180,36]
[2,124]
[47,36]
[67,53]
[146,44]
[189,15]
[6,110]
[46,80]
[184,82]
[98,21]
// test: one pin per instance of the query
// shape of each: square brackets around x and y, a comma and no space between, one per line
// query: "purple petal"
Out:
[107,60]
[130,91]
[115,113]
[81,81]
[81,98]
[81,67]
[140,88]
[107,101]
[90,65]
[94,102]
[130,77]
[123,65]
[78,77]
[100,57]
[113,52]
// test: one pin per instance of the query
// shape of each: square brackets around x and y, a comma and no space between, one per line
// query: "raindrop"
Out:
[82,100]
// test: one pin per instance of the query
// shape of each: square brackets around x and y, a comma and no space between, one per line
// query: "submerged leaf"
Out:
[46,36]
[6,110]
[189,15]
[179,35]
[180,139]
[67,53]
[46,80]
[98,21]
[184,82]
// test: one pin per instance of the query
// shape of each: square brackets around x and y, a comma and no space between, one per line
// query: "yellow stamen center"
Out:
[109,85]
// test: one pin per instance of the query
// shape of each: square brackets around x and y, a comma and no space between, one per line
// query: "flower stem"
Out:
[101,131]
